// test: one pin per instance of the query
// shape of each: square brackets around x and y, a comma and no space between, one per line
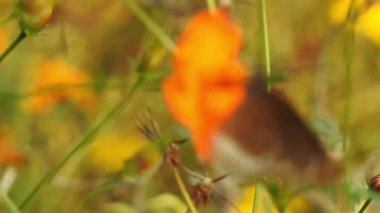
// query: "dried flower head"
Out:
[147,125]
[374,183]
[201,194]
[171,156]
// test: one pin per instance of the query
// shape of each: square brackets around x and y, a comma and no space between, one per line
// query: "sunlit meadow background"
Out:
[81,58]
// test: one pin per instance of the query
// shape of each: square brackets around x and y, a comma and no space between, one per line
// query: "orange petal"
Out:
[56,80]
[219,98]
[202,143]
[208,42]
[182,102]
[223,94]
[40,104]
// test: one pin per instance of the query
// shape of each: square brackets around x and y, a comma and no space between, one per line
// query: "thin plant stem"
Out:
[151,26]
[350,12]
[349,55]
[255,207]
[13,45]
[183,190]
[8,203]
[60,87]
[87,138]
[55,88]
[211,4]
[365,205]
[264,33]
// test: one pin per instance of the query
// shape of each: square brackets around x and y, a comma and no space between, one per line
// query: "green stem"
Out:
[54,88]
[264,33]
[13,45]
[365,205]
[255,207]
[88,137]
[211,4]
[183,190]
[350,12]
[9,204]
[152,27]
[349,50]
[349,55]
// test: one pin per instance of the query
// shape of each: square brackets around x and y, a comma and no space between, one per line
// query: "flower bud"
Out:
[34,14]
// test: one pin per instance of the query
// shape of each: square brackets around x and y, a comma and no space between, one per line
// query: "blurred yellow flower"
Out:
[265,204]
[55,81]
[310,202]
[368,23]
[339,8]
[298,204]
[109,152]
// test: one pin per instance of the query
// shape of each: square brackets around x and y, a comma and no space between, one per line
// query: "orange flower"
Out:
[208,42]
[52,84]
[3,40]
[208,83]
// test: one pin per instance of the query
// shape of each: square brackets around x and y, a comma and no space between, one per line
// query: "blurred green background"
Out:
[80,58]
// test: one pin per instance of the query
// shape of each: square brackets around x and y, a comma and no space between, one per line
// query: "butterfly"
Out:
[267,138]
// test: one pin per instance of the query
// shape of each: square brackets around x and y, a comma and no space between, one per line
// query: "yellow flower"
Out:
[338,10]
[369,24]
[109,152]
[299,204]
[265,204]
[55,81]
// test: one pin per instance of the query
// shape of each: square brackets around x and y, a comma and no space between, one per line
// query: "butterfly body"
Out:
[266,138]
